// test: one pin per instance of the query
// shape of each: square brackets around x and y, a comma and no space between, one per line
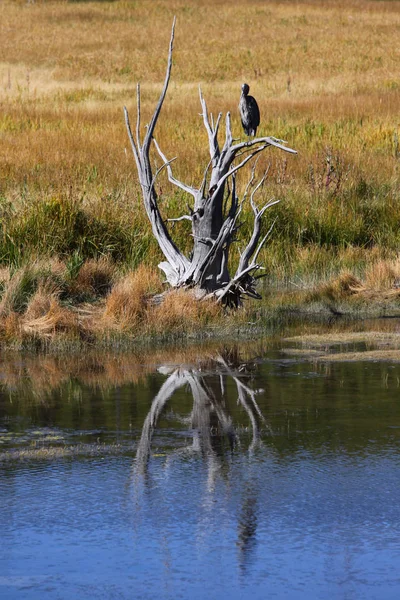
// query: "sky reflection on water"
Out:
[288,492]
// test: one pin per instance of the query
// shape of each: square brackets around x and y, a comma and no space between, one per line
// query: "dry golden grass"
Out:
[376,292]
[387,355]
[342,287]
[338,338]
[377,355]
[325,74]
[181,311]
[41,302]
[8,296]
[10,327]
[34,311]
[129,306]
[128,302]
[41,277]
[56,320]
[95,278]
[33,308]
[383,275]
[121,42]
[326,79]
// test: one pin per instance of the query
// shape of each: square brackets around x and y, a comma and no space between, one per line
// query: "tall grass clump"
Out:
[93,280]
[181,312]
[383,275]
[30,305]
[46,317]
[22,284]
[127,305]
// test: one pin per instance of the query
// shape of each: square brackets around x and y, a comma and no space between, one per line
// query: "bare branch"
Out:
[222,270]
[251,180]
[267,141]
[216,128]
[182,218]
[204,113]
[178,263]
[236,168]
[266,236]
[228,136]
[211,132]
[138,115]
[132,141]
[204,182]
[258,214]
[260,184]
[214,221]
[186,188]
[150,129]
[167,165]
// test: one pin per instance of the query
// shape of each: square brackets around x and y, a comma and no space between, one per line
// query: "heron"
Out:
[249,111]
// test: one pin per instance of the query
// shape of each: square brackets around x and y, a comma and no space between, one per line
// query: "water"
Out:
[199,474]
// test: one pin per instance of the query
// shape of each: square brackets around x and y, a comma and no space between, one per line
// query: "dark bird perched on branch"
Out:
[249,111]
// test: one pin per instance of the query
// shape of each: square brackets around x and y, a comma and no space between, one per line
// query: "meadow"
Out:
[325,75]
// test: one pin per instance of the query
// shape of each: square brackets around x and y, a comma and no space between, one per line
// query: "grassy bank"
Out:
[50,305]
[325,76]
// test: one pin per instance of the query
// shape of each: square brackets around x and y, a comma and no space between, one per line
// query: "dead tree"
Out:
[215,207]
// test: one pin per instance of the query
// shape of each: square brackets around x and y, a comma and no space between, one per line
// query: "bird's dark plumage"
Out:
[249,111]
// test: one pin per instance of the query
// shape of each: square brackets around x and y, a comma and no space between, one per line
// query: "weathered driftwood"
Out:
[215,207]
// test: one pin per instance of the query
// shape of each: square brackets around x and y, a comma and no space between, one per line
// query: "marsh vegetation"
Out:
[72,225]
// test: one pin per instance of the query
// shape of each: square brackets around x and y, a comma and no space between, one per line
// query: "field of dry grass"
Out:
[325,75]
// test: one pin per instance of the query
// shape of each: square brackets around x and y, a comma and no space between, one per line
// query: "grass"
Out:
[326,79]
[43,307]
[53,304]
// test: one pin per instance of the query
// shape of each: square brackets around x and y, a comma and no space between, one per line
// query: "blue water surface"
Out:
[303,503]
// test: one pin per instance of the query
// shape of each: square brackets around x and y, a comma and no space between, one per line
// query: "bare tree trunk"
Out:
[215,207]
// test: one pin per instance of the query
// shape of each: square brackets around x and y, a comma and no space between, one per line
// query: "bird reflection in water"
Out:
[247,525]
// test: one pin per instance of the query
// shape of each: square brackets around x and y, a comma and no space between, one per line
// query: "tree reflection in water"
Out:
[214,435]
